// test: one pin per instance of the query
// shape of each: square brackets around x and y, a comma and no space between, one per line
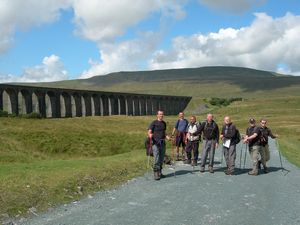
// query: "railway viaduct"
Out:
[60,102]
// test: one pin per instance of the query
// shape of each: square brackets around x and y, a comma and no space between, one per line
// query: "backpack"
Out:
[148,147]
[262,139]
[237,136]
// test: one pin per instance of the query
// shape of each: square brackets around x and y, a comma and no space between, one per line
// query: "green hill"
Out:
[183,80]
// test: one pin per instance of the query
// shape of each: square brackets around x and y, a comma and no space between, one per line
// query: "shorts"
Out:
[180,139]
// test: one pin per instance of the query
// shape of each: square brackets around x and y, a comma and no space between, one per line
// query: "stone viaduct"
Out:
[59,103]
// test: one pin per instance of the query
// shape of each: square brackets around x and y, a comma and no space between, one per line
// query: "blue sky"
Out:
[69,39]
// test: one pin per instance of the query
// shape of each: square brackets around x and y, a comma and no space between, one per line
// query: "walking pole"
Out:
[148,155]
[241,156]
[222,153]
[193,156]
[149,149]
[173,155]
[282,169]
[245,154]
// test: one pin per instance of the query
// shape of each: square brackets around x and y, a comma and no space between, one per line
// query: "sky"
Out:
[54,40]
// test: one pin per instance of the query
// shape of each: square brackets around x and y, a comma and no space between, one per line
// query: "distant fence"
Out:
[59,102]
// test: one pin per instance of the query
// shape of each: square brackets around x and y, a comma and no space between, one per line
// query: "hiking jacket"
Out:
[210,130]
[230,134]
[266,132]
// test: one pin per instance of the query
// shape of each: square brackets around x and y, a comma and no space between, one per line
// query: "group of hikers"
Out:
[187,135]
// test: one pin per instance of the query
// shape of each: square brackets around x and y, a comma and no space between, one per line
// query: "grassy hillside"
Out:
[44,162]
[241,79]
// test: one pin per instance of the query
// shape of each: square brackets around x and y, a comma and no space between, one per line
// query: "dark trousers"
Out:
[192,148]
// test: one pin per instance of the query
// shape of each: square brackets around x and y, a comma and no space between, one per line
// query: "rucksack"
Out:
[262,139]
[148,146]
[237,136]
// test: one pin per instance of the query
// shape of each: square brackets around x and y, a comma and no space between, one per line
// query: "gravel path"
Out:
[192,198]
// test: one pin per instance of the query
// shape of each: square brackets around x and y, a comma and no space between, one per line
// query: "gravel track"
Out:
[192,198]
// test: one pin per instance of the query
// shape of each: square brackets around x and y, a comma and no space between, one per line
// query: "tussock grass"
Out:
[44,161]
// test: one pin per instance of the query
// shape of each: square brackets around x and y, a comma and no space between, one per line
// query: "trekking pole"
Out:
[173,155]
[148,155]
[277,145]
[222,153]
[193,156]
[280,158]
[241,156]
[245,155]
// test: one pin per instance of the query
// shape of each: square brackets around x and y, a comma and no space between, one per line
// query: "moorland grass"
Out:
[44,161]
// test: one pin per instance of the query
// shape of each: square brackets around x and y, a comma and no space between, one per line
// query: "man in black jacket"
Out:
[253,135]
[266,133]
[157,133]
[228,136]
[210,131]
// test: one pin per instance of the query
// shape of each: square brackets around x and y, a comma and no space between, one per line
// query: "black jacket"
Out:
[230,134]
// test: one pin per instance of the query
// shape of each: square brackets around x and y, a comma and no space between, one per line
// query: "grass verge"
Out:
[43,184]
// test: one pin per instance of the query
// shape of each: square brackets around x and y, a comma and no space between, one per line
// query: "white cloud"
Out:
[232,6]
[22,15]
[51,69]
[264,44]
[103,21]
[125,56]
[100,21]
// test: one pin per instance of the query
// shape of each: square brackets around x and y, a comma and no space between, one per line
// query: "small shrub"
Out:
[32,115]
[223,101]
[3,113]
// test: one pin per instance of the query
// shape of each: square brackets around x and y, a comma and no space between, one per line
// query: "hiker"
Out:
[192,141]
[157,133]
[265,134]
[210,131]
[252,137]
[180,131]
[228,136]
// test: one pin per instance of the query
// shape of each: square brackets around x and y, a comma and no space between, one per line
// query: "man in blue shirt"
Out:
[180,130]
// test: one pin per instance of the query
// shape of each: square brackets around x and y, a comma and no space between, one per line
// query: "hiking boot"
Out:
[161,175]
[194,163]
[187,161]
[177,157]
[228,172]
[182,157]
[202,170]
[266,169]
[259,165]
[156,176]
[210,169]
[253,173]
